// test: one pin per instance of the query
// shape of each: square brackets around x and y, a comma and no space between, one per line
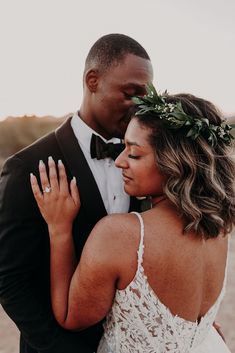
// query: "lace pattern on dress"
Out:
[139,322]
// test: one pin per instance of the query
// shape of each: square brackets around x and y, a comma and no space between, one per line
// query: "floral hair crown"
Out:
[173,115]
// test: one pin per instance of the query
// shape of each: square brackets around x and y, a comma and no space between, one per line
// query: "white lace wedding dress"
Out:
[139,323]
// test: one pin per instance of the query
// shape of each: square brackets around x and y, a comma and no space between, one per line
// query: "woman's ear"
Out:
[91,80]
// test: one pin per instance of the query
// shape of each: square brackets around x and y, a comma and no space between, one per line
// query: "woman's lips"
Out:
[125,177]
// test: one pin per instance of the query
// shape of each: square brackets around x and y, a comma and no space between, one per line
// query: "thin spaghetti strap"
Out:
[140,251]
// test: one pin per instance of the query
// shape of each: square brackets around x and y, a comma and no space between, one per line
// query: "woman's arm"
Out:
[93,284]
[80,296]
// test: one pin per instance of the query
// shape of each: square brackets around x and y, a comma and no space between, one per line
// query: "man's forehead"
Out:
[134,62]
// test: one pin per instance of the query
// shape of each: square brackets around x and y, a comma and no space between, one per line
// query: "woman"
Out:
[165,298]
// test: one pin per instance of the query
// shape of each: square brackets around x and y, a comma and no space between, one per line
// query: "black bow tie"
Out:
[100,149]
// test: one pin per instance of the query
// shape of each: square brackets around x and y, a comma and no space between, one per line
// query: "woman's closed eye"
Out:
[133,156]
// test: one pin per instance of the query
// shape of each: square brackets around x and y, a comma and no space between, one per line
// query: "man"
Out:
[116,68]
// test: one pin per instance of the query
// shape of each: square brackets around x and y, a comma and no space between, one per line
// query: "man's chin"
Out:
[119,134]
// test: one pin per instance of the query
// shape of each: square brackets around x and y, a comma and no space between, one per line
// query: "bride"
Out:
[158,277]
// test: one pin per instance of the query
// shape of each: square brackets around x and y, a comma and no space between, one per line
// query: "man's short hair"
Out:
[111,49]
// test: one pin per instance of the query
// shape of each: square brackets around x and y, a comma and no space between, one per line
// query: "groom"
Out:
[116,68]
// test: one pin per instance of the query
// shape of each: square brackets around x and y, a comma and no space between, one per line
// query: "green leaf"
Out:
[173,115]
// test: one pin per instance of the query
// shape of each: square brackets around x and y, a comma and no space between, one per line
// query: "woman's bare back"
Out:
[185,272]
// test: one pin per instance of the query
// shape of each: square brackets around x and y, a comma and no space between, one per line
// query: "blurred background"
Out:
[43,48]
[44,44]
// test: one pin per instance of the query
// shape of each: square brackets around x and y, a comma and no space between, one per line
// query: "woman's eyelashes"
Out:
[133,156]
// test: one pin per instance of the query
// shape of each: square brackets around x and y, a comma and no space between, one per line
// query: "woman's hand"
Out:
[57,205]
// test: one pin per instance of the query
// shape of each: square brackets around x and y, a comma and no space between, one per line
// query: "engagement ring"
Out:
[47,189]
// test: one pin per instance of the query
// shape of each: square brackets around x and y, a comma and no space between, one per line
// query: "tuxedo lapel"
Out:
[77,165]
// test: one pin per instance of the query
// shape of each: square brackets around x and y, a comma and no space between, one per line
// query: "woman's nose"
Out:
[121,161]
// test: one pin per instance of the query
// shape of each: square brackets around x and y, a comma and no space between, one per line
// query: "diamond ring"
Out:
[47,189]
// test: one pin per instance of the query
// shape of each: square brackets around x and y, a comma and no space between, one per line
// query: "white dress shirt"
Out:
[107,176]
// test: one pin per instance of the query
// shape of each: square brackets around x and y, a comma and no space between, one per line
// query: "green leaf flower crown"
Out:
[173,115]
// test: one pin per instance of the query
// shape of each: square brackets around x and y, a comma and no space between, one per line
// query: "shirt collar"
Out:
[83,132]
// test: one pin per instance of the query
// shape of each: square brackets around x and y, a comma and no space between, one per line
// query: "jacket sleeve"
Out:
[24,266]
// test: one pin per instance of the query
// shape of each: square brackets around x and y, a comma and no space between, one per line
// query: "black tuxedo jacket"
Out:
[25,249]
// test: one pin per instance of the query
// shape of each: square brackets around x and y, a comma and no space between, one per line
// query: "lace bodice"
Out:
[139,323]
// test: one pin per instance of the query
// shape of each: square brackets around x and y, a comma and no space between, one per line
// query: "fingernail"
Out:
[41,164]
[31,175]
[60,162]
[50,159]
[74,180]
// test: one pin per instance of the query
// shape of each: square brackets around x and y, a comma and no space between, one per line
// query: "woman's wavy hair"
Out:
[200,178]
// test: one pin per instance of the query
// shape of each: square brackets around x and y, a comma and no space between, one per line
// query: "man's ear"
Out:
[91,80]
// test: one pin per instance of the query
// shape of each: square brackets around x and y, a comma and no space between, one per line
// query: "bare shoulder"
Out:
[113,239]
[114,227]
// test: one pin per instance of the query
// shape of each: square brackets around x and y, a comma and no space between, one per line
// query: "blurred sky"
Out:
[43,45]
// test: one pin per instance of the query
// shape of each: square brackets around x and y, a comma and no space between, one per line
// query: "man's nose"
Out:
[129,102]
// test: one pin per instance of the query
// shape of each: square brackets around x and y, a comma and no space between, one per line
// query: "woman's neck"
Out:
[157,199]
